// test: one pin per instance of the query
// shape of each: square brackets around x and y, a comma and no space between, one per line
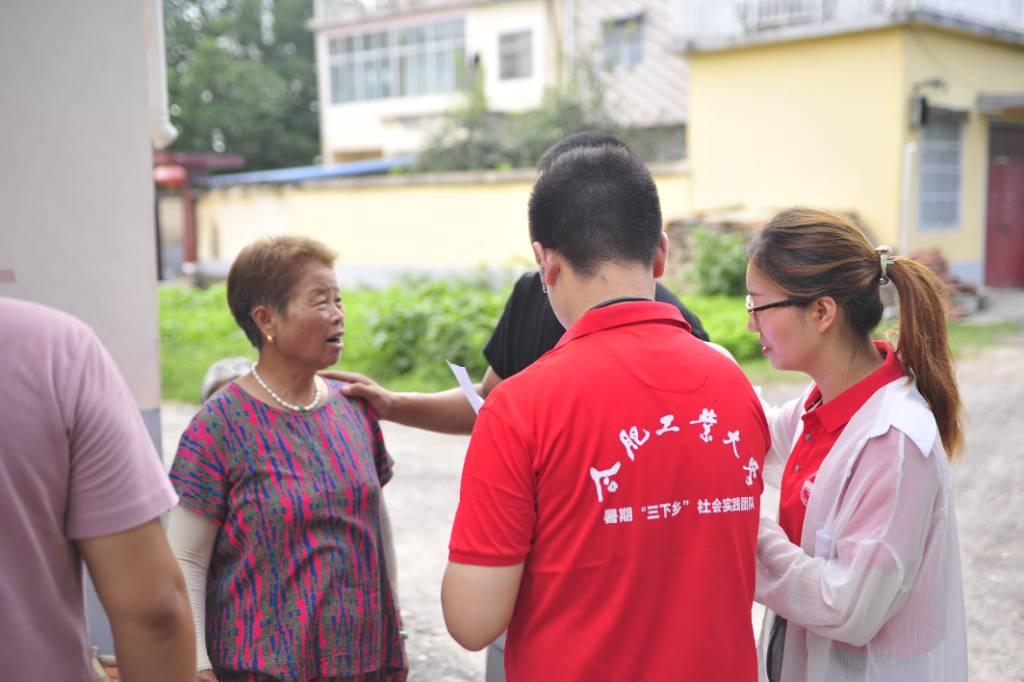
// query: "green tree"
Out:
[242,79]
[475,138]
[719,265]
[471,137]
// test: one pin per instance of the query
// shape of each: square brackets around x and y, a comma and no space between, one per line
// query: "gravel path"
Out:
[423,496]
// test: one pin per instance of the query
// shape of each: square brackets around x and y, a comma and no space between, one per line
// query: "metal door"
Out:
[1004,233]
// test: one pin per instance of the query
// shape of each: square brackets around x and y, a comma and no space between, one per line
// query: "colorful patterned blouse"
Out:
[297,588]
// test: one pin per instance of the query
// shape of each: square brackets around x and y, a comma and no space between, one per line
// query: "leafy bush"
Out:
[196,329]
[471,138]
[725,319]
[400,335]
[475,138]
[719,263]
[415,326]
[404,332]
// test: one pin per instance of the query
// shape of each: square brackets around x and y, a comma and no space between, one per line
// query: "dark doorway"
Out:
[1004,230]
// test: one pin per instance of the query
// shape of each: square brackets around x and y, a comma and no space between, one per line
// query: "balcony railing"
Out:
[735,21]
[346,11]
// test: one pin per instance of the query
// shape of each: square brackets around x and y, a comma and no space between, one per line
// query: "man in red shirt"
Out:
[608,510]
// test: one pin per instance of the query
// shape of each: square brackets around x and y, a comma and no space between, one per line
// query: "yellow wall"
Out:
[825,122]
[458,221]
[814,122]
[969,65]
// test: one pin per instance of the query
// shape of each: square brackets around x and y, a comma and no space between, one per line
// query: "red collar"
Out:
[837,412]
[622,314]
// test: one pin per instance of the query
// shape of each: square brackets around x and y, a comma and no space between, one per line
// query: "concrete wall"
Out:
[76,187]
[76,184]
[453,221]
[652,93]
[484,25]
[817,122]
[969,65]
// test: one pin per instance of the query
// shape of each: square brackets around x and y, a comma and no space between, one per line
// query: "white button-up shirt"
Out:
[874,592]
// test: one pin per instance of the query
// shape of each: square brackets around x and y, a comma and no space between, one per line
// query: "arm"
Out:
[117,489]
[478,601]
[492,534]
[143,593]
[387,538]
[782,425]
[444,412]
[879,539]
[192,538]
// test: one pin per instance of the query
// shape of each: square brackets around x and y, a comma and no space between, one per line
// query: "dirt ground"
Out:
[423,496]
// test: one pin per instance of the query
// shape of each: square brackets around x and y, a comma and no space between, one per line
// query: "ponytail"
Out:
[812,253]
[923,346]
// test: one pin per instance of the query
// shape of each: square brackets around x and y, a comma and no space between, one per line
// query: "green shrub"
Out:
[400,335]
[719,263]
[725,319]
[415,326]
[196,329]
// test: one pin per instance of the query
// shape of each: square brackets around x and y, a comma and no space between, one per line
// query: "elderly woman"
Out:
[278,530]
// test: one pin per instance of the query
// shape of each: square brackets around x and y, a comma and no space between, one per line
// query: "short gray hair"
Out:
[221,372]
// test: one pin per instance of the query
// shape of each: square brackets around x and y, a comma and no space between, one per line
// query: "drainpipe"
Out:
[909,151]
[569,32]
[555,39]
[161,132]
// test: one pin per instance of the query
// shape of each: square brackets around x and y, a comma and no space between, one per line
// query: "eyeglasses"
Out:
[751,308]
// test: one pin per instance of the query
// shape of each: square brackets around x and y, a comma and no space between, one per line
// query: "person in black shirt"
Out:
[528,327]
[526,330]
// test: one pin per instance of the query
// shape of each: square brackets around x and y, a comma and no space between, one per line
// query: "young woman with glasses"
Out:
[861,570]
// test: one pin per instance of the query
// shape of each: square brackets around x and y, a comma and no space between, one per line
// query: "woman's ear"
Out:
[265,319]
[824,312]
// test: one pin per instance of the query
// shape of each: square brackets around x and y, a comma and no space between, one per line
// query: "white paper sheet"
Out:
[462,376]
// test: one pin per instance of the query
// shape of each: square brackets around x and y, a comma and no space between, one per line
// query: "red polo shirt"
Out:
[623,468]
[822,426]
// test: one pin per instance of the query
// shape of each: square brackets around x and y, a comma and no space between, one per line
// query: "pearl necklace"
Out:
[290,406]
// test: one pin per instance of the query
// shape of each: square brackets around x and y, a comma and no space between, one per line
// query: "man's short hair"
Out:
[597,205]
[585,139]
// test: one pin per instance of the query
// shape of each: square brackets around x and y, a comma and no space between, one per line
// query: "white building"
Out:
[390,69]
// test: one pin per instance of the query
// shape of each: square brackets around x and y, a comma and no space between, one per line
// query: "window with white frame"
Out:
[624,42]
[941,145]
[515,55]
[405,61]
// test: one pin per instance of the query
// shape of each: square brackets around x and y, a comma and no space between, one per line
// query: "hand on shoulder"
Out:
[361,386]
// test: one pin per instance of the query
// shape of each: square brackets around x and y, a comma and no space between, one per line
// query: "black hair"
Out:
[595,205]
[587,138]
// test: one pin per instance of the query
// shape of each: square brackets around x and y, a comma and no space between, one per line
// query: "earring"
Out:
[270,339]
[544,286]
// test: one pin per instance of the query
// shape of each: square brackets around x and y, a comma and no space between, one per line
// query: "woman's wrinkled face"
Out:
[311,330]
[786,336]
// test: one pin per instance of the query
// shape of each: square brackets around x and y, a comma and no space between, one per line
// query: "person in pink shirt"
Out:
[80,480]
